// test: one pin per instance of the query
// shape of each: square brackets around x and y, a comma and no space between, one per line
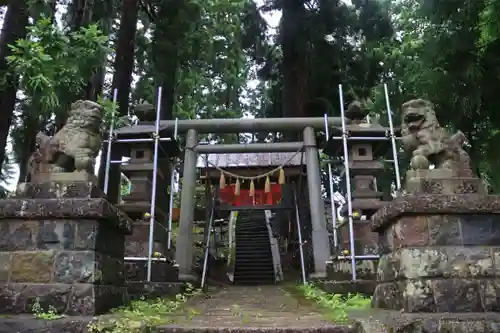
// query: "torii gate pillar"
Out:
[320,241]
[184,252]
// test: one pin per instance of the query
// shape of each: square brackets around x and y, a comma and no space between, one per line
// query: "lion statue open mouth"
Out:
[428,142]
[74,147]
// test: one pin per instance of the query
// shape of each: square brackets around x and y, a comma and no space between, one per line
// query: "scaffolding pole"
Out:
[299,234]
[348,184]
[139,140]
[144,259]
[393,139]
[153,194]
[330,182]
[171,199]
[207,243]
[109,141]
[364,256]
[363,138]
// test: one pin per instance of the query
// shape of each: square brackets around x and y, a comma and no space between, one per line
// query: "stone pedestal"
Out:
[137,246]
[63,247]
[365,241]
[441,245]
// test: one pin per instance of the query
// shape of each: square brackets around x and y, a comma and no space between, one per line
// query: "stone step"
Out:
[255,329]
[253,262]
[252,309]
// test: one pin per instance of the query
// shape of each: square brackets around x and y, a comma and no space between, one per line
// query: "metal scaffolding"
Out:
[307,125]
[345,137]
[156,139]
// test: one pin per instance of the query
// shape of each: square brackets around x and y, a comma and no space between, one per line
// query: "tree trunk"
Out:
[30,130]
[102,12]
[166,59]
[174,20]
[294,67]
[82,14]
[122,79]
[124,61]
[15,23]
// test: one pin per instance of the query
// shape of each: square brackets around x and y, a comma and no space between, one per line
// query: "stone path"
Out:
[259,307]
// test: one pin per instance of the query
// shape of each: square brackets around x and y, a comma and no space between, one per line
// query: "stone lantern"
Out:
[366,148]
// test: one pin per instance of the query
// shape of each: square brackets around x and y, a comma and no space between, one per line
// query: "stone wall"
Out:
[441,263]
[439,271]
[64,253]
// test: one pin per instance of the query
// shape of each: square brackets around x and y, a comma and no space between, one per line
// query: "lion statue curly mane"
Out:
[75,146]
[428,142]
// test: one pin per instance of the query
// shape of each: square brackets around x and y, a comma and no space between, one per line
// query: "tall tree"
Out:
[81,14]
[53,65]
[172,20]
[124,58]
[14,27]
[122,79]
[295,47]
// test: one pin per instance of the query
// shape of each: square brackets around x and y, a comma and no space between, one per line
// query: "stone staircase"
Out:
[254,261]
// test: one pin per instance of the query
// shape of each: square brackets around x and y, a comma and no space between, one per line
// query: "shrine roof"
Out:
[138,130]
[245,160]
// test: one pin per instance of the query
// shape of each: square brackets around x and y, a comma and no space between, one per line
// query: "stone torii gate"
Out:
[184,250]
[191,128]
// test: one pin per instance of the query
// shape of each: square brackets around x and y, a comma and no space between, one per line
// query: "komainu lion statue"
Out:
[428,142]
[76,146]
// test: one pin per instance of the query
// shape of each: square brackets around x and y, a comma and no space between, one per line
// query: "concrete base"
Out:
[341,270]
[151,290]
[365,287]
[314,276]
[136,271]
[189,278]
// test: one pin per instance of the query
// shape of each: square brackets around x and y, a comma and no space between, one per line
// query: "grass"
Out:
[335,307]
[142,314]
[40,313]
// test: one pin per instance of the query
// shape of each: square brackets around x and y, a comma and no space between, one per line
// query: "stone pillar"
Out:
[184,253]
[320,241]
[63,244]
[441,255]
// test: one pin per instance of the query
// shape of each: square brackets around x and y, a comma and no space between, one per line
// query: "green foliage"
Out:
[111,113]
[55,64]
[49,314]
[124,189]
[142,314]
[336,306]
[448,53]
[209,50]
[213,48]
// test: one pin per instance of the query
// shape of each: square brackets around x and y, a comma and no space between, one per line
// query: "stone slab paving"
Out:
[29,324]
[252,306]
[264,309]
